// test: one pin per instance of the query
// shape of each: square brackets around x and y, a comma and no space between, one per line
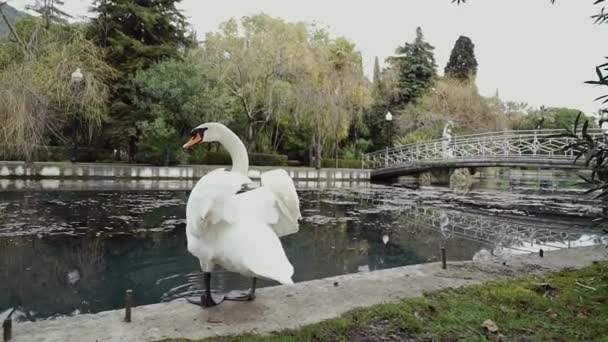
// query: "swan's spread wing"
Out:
[286,202]
[211,199]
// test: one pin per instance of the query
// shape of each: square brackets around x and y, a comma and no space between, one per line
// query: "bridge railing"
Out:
[531,144]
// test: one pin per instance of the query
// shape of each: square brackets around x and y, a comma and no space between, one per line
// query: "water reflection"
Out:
[69,252]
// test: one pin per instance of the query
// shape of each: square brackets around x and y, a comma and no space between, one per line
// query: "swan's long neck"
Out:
[236,149]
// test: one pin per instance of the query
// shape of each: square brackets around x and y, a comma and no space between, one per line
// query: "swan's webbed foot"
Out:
[207,300]
[242,296]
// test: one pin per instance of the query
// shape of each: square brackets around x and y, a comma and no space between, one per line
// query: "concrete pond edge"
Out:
[288,307]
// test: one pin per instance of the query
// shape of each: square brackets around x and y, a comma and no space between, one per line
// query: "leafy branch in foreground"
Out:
[594,150]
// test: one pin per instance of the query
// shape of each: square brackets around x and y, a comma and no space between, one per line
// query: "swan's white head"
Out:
[207,132]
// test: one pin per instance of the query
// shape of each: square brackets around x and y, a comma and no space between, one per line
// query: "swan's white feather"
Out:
[234,230]
[286,201]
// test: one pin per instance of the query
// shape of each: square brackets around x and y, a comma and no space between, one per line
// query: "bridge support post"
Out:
[461,179]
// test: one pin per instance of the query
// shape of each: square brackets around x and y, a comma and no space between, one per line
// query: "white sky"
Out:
[529,50]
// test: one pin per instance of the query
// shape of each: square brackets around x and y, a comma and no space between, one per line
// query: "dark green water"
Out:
[75,247]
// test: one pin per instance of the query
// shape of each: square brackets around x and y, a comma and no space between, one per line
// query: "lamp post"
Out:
[76,79]
[388,118]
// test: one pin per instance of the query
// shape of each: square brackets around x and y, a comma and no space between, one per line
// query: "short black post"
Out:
[7,329]
[443,259]
[541,253]
[128,305]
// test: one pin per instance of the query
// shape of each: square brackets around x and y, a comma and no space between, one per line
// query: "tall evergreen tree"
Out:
[378,87]
[136,34]
[416,69]
[377,76]
[462,64]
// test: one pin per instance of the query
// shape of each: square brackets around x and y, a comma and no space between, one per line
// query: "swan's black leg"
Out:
[241,296]
[207,298]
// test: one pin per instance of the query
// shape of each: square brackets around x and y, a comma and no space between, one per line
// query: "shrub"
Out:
[201,156]
[346,164]
[159,143]
[265,159]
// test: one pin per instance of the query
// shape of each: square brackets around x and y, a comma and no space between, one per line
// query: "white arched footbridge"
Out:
[524,148]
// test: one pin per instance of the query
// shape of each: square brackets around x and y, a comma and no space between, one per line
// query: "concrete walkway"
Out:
[286,307]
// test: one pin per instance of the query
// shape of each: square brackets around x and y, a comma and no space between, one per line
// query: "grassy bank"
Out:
[565,306]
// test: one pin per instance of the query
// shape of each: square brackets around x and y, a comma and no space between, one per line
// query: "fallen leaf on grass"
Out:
[490,325]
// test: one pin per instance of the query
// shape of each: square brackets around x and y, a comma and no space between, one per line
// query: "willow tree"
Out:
[332,92]
[37,97]
[257,59]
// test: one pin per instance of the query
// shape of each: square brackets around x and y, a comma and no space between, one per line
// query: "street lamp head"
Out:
[77,76]
[389,116]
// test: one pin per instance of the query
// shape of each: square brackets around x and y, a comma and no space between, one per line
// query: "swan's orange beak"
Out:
[196,138]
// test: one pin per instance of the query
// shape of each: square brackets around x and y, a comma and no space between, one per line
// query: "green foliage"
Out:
[58,154]
[223,158]
[594,152]
[418,136]
[182,93]
[135,35]
[456,101]
[160,144]
[263,159]
[39,101]
[416,70]
[341,163]
[462,63]
[550,118]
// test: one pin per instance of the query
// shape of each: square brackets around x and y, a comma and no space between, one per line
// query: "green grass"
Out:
[553,307]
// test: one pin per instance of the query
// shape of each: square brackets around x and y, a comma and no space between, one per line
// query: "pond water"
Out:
[70,247]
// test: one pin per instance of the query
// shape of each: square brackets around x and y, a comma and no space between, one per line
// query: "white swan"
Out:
[237,228]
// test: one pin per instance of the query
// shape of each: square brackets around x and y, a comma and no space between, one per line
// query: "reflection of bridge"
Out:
[513,234]
[537,148]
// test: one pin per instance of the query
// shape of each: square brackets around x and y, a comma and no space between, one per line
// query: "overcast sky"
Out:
[529,50]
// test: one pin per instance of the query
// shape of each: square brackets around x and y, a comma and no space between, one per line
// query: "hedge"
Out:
[61,154]
[342,163]
[223,158]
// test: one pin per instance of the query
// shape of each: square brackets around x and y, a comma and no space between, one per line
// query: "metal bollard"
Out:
[444,264]
[7,329]
[128,305]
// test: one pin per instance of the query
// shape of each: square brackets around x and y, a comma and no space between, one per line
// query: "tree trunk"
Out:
[250,135]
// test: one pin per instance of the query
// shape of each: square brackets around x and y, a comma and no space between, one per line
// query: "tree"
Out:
[38,98]
[451,100]
[462,64]
[158,143]
[416,70]
[183,94]
[135,35]
[550,118]
[331,93]
[258,59]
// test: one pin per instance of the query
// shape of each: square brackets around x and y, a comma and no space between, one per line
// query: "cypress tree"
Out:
[462,64]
